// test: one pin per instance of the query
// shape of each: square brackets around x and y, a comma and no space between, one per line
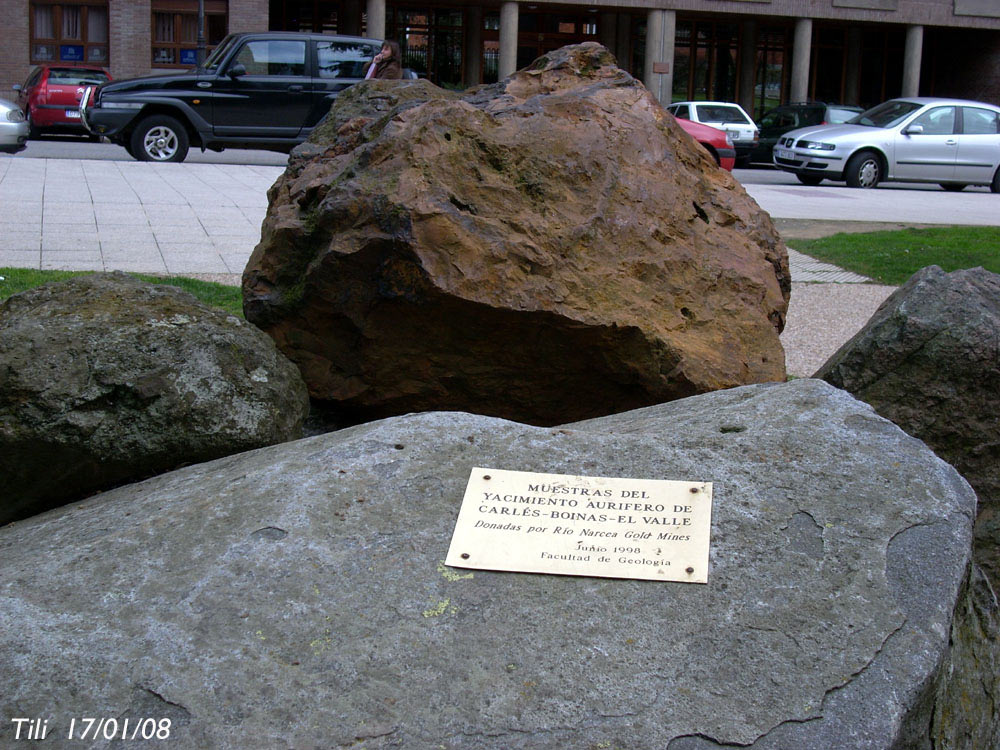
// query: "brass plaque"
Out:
[562,524]
[662,68]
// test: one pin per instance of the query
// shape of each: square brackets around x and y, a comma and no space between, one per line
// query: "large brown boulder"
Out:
[105,379]
[549,248]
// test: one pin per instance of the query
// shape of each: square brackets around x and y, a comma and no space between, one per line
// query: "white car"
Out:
[13,128]
[726,116]
[952,142]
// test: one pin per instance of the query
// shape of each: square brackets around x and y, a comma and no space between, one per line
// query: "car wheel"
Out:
[995,185]
[864,170]
[809,179]
[954,187]
[33,132]
[159,138]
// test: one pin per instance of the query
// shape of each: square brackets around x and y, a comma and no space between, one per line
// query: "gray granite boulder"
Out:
[297,596]
[105,379]
[929,360]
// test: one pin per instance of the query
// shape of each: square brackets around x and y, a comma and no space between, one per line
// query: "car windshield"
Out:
[77,77]
[213,60]
[836,115]
[720,113]
[886,115]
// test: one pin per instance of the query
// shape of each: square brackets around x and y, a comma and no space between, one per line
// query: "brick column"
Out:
[129,37]
[248,15]
[15,52]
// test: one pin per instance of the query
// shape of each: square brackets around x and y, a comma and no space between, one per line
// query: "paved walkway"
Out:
[90,215]
[190,218]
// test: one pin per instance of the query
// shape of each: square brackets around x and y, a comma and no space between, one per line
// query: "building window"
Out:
[175,31]
[430,42]
[69,32]
[705,61]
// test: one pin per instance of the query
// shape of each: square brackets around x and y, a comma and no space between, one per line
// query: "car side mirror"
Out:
[914,130]
[16,87]
[237,70]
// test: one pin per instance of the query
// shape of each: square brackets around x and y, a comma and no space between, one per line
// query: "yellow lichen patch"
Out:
[450,575]
[319,645]
[440,608]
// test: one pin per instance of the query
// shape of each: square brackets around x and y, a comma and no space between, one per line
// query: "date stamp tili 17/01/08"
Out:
[91,728]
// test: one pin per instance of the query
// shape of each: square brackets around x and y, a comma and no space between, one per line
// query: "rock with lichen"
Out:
[298,595]
[105,379]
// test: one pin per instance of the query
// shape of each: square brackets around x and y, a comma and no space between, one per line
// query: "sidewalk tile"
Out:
[20,258]
[21,241]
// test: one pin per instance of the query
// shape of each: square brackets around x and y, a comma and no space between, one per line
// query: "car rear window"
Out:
[77,77]
[719,113]
[980,121]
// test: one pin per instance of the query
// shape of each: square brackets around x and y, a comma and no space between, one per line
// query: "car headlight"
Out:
[729,142]
[15,115]
[816,146]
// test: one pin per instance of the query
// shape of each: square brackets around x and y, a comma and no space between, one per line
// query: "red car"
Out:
[715,141]
[50,97]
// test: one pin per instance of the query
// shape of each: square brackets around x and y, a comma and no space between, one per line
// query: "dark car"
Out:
[50,97]
[262,90]
[778,121]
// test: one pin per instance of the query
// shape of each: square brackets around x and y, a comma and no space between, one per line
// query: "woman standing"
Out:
[386,63]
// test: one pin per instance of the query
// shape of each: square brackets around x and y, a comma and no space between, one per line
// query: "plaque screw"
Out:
[690,571]
[694,490]
[465,555]
[486,476]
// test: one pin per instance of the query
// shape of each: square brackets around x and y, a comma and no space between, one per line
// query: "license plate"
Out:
[73,113]
[782,154]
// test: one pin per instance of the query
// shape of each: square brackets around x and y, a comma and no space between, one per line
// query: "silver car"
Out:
[13,128]
[952,142]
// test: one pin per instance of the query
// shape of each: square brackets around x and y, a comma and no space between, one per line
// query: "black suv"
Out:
[264,90]
[778,121]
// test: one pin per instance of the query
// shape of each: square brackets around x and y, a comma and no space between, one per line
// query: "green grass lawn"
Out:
[893,257]
[219,295]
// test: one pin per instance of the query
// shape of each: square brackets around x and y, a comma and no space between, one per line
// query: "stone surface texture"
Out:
[296,596]
[105,379]
[929,360]
[549,248]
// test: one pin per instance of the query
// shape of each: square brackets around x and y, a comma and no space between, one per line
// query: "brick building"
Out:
[756,52]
